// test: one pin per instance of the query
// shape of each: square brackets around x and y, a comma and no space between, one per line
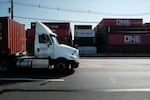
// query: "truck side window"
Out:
[42,38]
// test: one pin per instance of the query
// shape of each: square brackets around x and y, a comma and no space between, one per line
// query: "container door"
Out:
[43,47]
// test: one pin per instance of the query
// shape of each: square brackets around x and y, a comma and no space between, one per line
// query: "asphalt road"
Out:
[95,79]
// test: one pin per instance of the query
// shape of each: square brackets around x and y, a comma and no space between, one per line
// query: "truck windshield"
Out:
[54,39]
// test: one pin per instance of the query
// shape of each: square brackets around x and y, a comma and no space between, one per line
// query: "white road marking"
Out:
[105,90]
[125,90]
[55,80]
[31,79]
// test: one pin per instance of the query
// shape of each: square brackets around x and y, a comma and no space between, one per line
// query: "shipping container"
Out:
[147,24]
[122,36]
[121,29]
[85,41]
[120,22]
[103,33]
[62,29]
[123,43]
[129,29]
[30,36]
[12,36]
[87,50]
[129,39]
[101,37]
[123,49]
[84,33]
[54,25]
[65,40]
[82,27]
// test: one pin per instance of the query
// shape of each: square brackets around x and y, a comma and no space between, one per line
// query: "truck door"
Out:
[43,48]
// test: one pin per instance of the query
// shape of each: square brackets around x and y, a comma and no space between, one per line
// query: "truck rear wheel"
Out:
[61,65]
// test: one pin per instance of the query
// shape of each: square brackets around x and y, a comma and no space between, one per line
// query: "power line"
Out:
[81,11]
[51,8]
[73,21]
[4,2]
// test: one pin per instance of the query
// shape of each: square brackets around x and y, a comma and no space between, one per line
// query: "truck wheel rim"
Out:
[61,66]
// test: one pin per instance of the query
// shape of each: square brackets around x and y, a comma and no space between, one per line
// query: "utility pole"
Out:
[12,10]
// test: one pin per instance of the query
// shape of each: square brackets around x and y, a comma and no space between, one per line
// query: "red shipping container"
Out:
[147,24]
[63,31]
[82,27]
[129,39]
[55,25]
[128,29]
[30,35]
[120,22]
[12,36]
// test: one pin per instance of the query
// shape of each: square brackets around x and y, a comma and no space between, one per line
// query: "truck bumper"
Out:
[74,64]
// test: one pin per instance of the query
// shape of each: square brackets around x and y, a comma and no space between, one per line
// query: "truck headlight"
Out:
[75,55]
[74,52]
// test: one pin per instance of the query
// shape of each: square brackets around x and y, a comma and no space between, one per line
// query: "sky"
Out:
[79,12]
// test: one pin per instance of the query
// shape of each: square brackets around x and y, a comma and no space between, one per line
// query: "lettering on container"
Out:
[54,26]
[53,30]
[132,39]
[120,22]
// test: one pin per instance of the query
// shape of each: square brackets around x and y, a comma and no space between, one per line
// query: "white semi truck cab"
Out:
[47,46]
[47,50]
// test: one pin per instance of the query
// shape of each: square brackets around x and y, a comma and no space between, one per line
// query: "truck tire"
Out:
[61,65]
[4,66]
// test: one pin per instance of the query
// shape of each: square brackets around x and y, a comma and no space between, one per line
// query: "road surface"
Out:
[95,79]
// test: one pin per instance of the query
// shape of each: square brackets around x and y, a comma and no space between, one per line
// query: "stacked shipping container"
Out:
[30,36]
[12,36]
[122,36]
[62,30]
[85,39]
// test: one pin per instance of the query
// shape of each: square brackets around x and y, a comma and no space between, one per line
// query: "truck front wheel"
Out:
[61,65]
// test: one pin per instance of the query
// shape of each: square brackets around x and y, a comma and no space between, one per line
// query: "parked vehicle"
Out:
[46,48]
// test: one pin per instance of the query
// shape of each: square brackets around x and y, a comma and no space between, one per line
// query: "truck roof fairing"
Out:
[41,28]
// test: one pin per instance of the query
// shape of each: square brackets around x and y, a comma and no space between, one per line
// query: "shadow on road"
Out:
[31,74]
